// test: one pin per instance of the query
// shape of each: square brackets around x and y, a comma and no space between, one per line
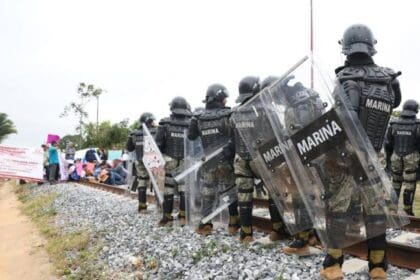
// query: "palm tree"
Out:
[6,127]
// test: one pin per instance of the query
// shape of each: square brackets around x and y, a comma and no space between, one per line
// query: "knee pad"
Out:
[375,226]
[336,225]
[408,197]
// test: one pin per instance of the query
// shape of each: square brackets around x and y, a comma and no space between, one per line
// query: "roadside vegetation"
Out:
[75,255]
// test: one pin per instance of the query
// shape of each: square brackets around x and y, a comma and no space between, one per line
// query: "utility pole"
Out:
[312,46]
[97,115]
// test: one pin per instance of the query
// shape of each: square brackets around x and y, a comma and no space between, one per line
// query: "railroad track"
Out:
[398,254]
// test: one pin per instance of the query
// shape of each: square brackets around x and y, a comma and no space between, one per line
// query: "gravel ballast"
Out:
[134,247]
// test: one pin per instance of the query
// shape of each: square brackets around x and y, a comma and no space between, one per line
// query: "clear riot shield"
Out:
[253,126]
[348,196]
[154,163]
[131,173]
[209,182]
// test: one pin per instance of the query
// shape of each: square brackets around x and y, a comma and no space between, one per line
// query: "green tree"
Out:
[107,135]
[85,94]
[396,113]
[76,139]
[135,125]
[118,134]
[6,127]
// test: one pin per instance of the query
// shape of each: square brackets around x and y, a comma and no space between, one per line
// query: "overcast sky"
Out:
[144,53]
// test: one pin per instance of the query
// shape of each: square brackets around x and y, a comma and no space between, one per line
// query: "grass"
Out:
[280,275]
[74,254]
[416,205]
[210,249]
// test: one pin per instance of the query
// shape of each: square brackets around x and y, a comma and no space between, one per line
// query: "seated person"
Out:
[73,176]
[90,155]
[119,169]
[107,176]
[86,172]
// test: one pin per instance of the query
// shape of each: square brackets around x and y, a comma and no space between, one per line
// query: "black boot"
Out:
[279,231]
[142,199]
[408,198]
[168,204]
[245,217]
[181,216]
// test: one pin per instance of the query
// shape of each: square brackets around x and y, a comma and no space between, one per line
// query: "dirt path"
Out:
[22,255]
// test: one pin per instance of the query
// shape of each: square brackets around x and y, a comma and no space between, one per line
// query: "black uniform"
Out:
[371,92]
[251,121]
[402,152]
[170,140]
[135,143]
[213,127]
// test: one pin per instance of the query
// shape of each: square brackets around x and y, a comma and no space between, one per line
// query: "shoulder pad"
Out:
[404,121]
[389,71]
[350,73]
[215,114]
[196,114]
[164,121]
[378,74]
[225,111]
[136,132]
[338,69]
[180,122]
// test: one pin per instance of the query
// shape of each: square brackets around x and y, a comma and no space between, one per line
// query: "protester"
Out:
[108,176]
[45,160]
[125,157]
[70,151]
[90,155]
[53,163]
[103,155]
[72,171]
[86,172]
[120,169]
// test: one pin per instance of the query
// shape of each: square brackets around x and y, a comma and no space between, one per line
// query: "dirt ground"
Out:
[22,253]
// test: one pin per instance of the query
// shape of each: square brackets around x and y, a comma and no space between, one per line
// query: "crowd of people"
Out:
[93,166]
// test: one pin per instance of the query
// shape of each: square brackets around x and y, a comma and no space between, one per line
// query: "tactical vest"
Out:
[376,98]
[404,132]
[174,136]
[301,114]
[138,140]
[214,127]
[249,122]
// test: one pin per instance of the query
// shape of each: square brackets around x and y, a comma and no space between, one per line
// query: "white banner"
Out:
[21,163]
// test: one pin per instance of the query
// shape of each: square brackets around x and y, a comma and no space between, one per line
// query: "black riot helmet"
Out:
[147,118]
[410,108]
[358,38]
[180,106]
[268,81]
[216,93]
[248,87]
[294,94]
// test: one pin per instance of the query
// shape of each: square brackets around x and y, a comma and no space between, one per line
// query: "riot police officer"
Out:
[170,140]
[371,92]
[302,106]
[135,143]
[213,127]
[402,152]
[247,121]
